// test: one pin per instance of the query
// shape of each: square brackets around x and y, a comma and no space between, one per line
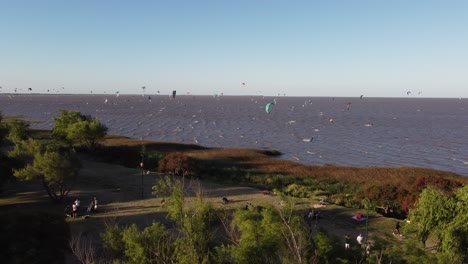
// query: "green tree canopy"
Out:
[444,215]
[18,130]
[56,168]
[72,126]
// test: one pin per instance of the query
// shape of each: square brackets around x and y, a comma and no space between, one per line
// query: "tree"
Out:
[296,233]
[152,245]
[72,126]
[433,211]
[18,130]
[454,234]
[385,197]
[193,221]
[56,168]
[260,239]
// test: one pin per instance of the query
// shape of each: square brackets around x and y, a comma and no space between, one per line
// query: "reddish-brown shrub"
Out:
[179,164]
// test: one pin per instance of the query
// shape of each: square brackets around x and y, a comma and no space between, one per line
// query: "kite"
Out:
[268,106]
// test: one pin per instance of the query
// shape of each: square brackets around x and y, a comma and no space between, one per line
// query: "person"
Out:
[368,248]
[311,214]
[94,204]
[347,241]
[359,239]
[322,202]
[77,202]
[67,210]
[225,200]
[74,210]
[358,216]
[397,229]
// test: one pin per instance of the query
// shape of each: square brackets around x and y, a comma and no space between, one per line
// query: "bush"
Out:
[177,163]
[113,240]
[299,191]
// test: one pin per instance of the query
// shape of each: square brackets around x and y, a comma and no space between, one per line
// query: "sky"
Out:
[293,48]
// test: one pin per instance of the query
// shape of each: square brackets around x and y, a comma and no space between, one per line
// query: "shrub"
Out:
[299,191]
[177,163]
[113,240]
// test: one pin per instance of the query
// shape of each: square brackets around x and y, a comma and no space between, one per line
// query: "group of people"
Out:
[72,211]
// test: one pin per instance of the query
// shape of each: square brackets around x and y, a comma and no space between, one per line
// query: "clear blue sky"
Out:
[300,48]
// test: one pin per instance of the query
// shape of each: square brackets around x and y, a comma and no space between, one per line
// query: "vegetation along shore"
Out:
[163,202]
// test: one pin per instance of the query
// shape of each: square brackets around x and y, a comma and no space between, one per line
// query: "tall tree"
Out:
[55,168]
[72,126]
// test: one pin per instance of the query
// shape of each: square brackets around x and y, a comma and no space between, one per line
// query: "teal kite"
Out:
[268,106]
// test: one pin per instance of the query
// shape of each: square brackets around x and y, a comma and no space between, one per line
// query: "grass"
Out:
[117,184]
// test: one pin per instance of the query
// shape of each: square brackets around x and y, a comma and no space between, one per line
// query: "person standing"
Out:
[347,242]
[94,204]
[74,210]
[77,202]
[359,239]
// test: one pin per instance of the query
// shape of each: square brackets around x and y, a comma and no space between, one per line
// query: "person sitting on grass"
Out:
[358,216]
[322,201]
[224,200]
[396,231]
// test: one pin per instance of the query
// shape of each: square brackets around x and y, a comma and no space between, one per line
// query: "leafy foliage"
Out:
[72,126]
[260,240]
[18,130]
[152,245]
[113,240]
[56,168]
[444,215]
